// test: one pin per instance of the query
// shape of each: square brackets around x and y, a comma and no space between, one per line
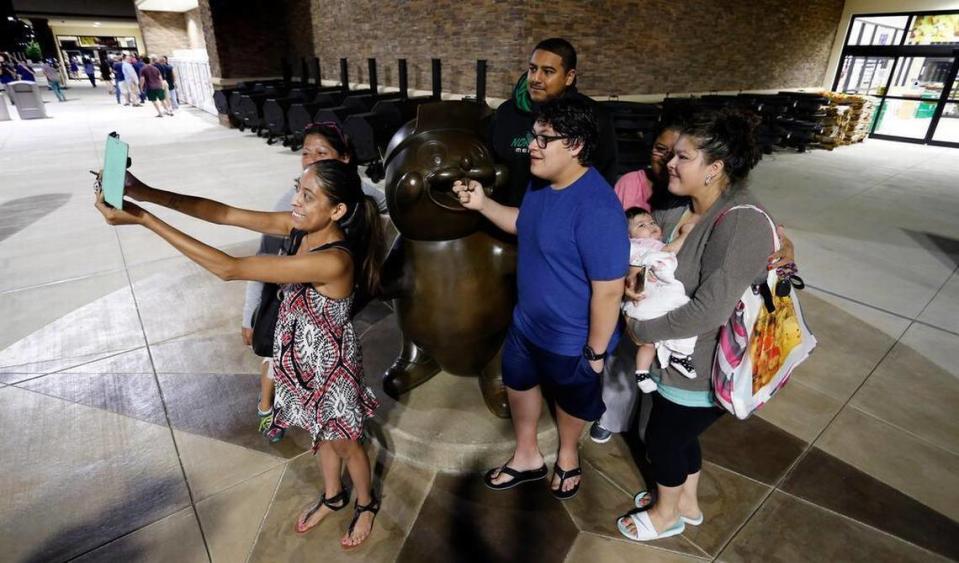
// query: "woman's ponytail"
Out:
[367,240]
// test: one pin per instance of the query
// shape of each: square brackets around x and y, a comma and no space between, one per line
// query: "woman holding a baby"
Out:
[699,257]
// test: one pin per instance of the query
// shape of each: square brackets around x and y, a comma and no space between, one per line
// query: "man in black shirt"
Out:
[167,70]
[551,74]
[117,75]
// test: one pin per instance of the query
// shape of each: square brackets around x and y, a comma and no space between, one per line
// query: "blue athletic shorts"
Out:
[569,380]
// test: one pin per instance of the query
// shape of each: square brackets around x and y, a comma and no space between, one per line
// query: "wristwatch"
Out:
[591,355]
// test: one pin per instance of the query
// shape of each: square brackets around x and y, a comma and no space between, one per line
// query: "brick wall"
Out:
[247,39]
[194,29]
[458,32]
[205,15]
[244,39]
[625,47]
[696,45]
[163,32]
[299,31]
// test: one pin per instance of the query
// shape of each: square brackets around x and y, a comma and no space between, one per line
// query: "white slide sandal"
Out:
[644,529]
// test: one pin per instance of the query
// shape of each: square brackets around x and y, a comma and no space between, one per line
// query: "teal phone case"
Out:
[114,171]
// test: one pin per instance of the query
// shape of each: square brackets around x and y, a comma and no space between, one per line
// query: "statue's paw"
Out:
[494,394]
[403,375]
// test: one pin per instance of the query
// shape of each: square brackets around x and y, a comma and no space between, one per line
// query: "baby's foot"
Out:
[684,365]
[645,382]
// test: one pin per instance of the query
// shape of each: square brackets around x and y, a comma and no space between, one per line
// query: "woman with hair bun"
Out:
[724,252]
[317,363]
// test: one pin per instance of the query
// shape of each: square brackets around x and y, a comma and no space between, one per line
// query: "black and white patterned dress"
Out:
[318,367]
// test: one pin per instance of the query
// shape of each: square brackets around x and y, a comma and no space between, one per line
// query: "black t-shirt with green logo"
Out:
[509,138]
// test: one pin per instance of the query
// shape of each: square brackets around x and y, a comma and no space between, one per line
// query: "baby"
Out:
[661,291]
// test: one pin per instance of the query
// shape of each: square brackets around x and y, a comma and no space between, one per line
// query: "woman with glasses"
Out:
[639,188]
[322,141]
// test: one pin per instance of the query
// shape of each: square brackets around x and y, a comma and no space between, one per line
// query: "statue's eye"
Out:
[479,154]
[433,152]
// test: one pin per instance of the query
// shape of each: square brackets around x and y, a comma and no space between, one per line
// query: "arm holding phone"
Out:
[315,268]
[266,222]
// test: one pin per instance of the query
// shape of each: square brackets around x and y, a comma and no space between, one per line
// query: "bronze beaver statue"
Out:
[451,275]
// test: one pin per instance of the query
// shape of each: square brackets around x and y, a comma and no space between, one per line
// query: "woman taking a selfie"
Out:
[317,363]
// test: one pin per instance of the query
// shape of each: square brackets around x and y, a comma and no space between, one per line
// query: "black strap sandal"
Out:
[374,507]
[334,503]
[563,476]
[518,477]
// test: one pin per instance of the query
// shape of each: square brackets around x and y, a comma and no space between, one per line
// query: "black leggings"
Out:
[672,439]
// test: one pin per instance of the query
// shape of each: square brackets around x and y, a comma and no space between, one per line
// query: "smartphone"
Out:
[639,282]
[114,170]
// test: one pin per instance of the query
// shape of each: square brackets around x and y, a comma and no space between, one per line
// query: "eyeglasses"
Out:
[543,140]
[661,150]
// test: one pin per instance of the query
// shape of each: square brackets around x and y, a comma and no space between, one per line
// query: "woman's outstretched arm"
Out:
[266,222]
[308,268]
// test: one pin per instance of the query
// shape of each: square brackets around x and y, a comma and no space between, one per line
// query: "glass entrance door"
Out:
[914,92]
[920,94]
[909,62]
[866,76]
[947,127]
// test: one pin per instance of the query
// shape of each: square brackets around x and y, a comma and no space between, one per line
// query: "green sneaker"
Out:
[272,433]
[266,421]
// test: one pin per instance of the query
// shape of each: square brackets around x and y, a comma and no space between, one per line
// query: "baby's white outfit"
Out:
[661,294]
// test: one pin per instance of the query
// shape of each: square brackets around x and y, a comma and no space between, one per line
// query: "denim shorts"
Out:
[569,380]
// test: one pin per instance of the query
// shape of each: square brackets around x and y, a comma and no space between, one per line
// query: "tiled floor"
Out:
[125,394]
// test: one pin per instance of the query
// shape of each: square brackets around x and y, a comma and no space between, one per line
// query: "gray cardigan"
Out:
[717,263]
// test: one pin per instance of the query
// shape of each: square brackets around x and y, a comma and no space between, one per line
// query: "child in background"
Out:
[661,291]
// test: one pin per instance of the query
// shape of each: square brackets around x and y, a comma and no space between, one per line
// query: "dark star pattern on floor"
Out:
[764,491]
[828,482]
[463,520]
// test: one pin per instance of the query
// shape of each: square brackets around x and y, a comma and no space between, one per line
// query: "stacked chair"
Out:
[772,110]
[282,109]
[805,118]
[381,115]
[635,125]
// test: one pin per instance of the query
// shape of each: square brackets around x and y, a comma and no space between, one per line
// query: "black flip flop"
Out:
[517,477]
[563,476]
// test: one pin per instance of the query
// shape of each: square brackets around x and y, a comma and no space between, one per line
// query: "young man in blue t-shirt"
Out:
[573,255]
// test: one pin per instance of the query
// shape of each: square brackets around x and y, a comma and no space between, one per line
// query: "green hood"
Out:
[521,95]
[525,103]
